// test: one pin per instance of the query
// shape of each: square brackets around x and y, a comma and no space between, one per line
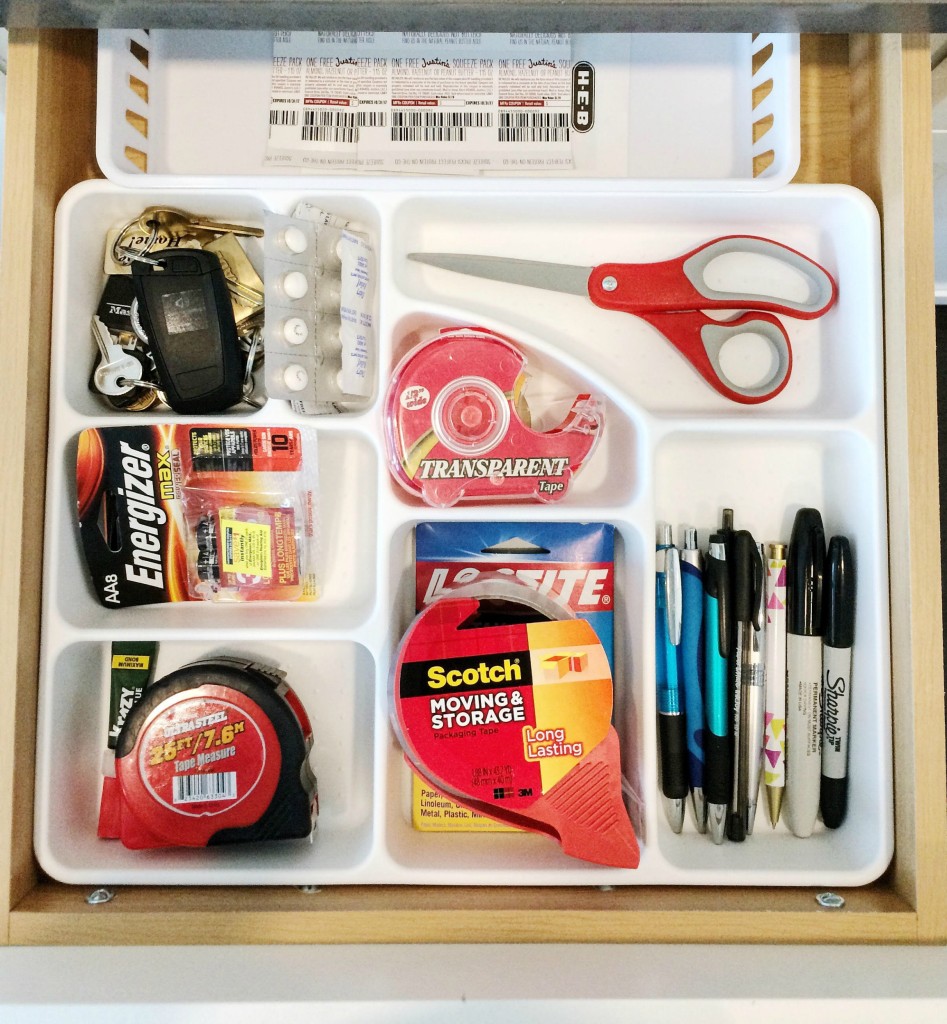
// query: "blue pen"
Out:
[671,725]
[692,671]
[717,777]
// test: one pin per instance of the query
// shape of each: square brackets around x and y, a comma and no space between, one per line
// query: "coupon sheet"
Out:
[439,102]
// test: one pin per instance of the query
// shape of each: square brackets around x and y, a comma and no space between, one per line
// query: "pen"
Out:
[774,744]
[672,728]
[805,569]
[748,581]
[752,682]
[716,699]
[837,672]
[692,671]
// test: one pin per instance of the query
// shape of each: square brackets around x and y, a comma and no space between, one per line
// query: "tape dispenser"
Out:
[457,425]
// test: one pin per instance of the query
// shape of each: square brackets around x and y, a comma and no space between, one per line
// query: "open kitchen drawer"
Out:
[866,121]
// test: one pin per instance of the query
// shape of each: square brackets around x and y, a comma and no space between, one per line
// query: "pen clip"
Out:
[759,589]
[673,595]
[749,579]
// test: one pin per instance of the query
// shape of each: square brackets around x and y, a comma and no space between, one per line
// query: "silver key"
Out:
[116,369]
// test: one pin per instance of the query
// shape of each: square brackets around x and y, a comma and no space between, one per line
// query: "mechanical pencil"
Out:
[752,681]
[837,678]
[805,570]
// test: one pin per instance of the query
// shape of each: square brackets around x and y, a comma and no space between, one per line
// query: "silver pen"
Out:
[752,684]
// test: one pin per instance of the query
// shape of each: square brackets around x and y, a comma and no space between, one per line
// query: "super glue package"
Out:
[319,331]
[195,512]
[573,563]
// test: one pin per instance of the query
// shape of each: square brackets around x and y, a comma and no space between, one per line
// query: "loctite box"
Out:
[573,563]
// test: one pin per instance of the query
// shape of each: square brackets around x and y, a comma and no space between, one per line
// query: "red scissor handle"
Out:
[683,283]
[700,340]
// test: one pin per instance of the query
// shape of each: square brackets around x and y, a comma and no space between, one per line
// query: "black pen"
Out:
[805,570]
[716,695]
[836,679]
[748,582]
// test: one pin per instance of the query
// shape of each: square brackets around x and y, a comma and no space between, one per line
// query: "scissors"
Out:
[672,295]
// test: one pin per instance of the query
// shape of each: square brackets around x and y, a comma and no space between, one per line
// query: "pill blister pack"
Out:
[319,339]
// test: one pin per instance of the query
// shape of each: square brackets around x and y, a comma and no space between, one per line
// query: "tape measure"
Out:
[215,752]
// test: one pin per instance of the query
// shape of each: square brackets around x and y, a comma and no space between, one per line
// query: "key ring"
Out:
[123,254]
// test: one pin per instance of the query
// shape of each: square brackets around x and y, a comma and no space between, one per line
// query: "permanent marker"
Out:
[805,570]
[774,743]
[837,678]
[716,686]
[692,671]
[671,724]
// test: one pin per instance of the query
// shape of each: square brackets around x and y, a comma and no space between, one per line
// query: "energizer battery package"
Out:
[194,512]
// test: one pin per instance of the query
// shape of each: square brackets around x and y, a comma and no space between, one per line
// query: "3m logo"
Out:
[583,96]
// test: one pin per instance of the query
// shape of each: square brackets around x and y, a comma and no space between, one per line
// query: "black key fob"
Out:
[185,312]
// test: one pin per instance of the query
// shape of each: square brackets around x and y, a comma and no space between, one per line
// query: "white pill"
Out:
[295,330]
[295,284]
[295,377]
[295,239]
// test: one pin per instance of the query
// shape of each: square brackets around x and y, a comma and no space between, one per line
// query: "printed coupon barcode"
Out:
[533,127]
[192,789]
[442,126]
[329,126]
[334,126]
[284,118]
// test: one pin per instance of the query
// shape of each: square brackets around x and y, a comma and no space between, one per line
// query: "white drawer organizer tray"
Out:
[700,112]
[672,450]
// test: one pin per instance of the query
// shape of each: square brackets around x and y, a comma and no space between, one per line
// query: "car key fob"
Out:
[184,310]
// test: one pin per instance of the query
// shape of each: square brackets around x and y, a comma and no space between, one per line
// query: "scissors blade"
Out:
[553,277]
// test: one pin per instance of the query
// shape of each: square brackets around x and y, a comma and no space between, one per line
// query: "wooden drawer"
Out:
[866,120]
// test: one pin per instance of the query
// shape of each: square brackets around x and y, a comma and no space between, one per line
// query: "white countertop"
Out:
[525,984]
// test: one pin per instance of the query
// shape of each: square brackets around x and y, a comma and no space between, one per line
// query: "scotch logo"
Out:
[508,672]
[583,96]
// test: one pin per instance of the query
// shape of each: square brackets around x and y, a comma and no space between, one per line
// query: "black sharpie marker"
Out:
[837,679]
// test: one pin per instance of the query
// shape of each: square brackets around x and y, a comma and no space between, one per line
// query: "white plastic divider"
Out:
[708,112]
[672,450]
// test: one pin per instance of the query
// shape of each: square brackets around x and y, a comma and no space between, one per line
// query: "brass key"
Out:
[179,223]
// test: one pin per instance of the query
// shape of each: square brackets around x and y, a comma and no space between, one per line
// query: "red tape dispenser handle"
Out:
[514,721]
[455,432]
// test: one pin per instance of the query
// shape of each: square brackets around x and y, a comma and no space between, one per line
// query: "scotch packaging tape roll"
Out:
[514,720]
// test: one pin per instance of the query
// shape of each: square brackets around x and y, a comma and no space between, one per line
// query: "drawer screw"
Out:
[98,896]
[830,900]
[310,890]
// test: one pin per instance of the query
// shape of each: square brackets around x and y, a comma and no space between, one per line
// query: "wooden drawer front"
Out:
[866,120]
